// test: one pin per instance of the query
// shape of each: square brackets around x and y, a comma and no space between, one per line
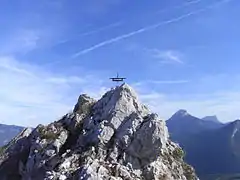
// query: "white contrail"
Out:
[100,29]
[92,32]
[125,36]
[192,2]
[120,23]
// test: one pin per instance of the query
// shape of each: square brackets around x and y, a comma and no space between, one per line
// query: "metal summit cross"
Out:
[117,79]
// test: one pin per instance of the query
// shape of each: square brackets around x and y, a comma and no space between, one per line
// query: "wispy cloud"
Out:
[192,2]
[147,28]
[100,29]
[159,82]
[9,64]
[28,90]
[224,105]
[167,56]
[66,80]
[28,39]
[22,40]
[206,96]
[170,82]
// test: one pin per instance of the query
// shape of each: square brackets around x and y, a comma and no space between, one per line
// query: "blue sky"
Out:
[177,54]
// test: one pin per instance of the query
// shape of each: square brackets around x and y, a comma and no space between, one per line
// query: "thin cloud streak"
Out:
[100,29]
[14,69]
[170,82]
[192,2]
[223,102]
[147,28]
[159,82]
[54,94]
[167,56]
[9,64]
[92,32]
[21,41]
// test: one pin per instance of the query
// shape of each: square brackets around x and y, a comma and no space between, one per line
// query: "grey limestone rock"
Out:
[114,138]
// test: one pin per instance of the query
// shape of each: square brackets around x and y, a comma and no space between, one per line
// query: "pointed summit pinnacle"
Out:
[181,113]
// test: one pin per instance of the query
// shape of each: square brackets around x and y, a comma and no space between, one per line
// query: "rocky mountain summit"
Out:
[114,138]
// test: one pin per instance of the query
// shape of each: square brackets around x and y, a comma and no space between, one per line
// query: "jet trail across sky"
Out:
[92,32]
[100,29]
[147,28]
[120,23]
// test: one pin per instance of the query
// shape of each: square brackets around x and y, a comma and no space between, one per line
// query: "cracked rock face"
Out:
[114,138]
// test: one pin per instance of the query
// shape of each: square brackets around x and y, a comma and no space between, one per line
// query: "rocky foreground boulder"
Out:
[114,138]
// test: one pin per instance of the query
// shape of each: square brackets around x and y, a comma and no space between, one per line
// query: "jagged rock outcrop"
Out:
[114,138]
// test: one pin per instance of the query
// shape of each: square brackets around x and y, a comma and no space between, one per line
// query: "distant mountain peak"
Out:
[236,121]
[184,124]
[211,118]
[232,126]
[182,113]
[7,132]
[235,124]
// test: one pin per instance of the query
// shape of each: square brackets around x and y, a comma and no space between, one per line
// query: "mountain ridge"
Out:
[217,147]
[115,137]
[7,132]
[223,145]
[183,124]
[211,118]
